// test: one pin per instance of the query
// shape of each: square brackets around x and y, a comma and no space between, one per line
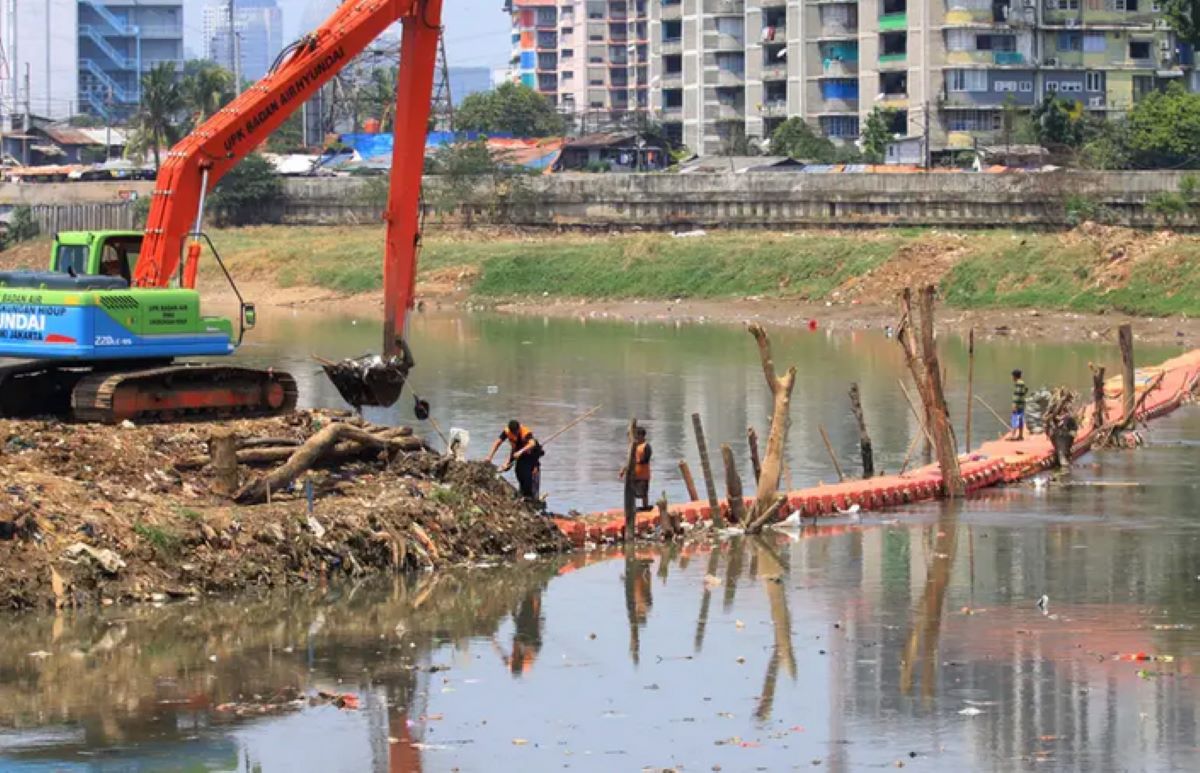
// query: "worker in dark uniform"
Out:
[526,453]
[1020,392]
[641,469]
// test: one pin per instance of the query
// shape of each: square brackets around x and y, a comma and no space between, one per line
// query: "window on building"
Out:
[673,98]
[1142,85]
[1070,87]
[893,44]
[730,61]
[996,42]
[842,126]
[567,53]
[1093,43]
[1062,5]
[893,84]
[1052,86]
[732,26]
[966,80]
[672,31]
[567,75]
[1094,81]
[974,121]
[1026,86]
[1139,49]
[959,40]
[1005,86]
[673,64]
[1125,5]
[1070,41]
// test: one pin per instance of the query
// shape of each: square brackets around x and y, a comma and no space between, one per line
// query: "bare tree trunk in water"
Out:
[766,504]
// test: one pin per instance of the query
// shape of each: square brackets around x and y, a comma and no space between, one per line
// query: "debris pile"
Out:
[95,514]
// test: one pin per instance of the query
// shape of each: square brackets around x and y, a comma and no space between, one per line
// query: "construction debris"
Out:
[94,514]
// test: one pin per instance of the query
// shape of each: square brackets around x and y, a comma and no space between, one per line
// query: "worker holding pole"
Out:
[526,453]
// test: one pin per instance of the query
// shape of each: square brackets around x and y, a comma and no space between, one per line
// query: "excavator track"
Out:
[182,393]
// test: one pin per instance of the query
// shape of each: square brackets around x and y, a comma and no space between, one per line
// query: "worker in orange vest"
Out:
[526,453]
[641,469]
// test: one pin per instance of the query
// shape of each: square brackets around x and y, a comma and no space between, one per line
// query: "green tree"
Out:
[1164,130]
[876,134]
[470,178]
[250,193]
[1058,123]
[509,108]
[206,88]
[794,137]
[377,97]
[21,227]
[1106,145]
[289,137]
[157,117]
[1184,17]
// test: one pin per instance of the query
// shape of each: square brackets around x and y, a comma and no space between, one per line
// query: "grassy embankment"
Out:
[1090,269]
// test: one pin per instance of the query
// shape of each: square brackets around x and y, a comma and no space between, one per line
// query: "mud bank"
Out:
[99,515]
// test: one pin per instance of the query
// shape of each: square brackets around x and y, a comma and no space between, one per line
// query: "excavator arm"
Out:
[197,163]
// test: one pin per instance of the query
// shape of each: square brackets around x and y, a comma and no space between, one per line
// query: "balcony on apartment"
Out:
[982,12]
[839,95]
[838,59]
[672,38]
[725,33]
[672,109]
[774,104]
[545,18]
[671,10]
[839,21]
[731,68]
[547,41]
[731,104]
[976,46]
[893,15]
[723,8]
[672,71]
[893,49]
[617,11]
[1113,13]
[547,62]
[893,89]
[774,68]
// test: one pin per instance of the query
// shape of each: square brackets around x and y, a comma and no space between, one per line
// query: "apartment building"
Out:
[586,56]
[119,41]
[946,69]
[35,38]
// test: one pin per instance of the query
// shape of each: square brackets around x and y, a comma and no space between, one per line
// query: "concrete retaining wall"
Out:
[771,200]
[650,201]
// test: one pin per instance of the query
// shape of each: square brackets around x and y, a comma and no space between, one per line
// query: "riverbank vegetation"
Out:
[1091,268]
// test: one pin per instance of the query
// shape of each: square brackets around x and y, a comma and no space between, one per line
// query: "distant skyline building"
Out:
[259,27]
[465,81]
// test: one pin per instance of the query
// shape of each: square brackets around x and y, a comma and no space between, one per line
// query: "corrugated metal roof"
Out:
[74,135]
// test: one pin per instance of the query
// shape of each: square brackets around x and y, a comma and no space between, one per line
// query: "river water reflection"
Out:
[909,637]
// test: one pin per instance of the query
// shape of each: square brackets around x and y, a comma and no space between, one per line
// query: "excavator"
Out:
[104,333]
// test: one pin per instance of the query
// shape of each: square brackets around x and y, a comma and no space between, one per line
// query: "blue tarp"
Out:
[370,146]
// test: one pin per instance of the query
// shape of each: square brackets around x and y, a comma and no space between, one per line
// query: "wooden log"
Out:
[755,462]
[268,442]
[921,356]
[864,438]
[916,414]
[1129,390]
[668,522]
[222,448]
[306,457]
[630,492]
[733,486]
[344,451]
[837,466]
[970,385]
[772,465]
[686,472]
[1099,404]
[706,468]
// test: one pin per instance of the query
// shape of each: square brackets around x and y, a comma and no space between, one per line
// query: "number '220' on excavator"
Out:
[100,335]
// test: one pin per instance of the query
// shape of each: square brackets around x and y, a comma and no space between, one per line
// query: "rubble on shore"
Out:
[93,514]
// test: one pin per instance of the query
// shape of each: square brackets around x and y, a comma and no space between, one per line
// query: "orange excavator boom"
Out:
[197,163]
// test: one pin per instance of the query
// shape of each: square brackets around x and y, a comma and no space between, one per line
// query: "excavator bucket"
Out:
[370,379]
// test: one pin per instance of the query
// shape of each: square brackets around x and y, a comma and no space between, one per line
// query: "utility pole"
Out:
[927,155]
[28,123]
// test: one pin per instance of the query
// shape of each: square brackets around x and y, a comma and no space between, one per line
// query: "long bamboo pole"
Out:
[970,383]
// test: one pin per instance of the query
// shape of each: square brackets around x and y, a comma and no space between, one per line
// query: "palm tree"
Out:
[206,87]
[161,103]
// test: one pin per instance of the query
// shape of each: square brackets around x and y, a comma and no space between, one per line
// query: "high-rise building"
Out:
[37,38]
[465,81]
[118,42]
[947,69]
[586,56]
[258,25]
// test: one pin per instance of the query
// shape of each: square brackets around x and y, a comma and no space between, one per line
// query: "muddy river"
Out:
[911,638]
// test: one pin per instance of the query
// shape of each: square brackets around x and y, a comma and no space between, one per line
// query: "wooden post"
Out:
[666,521]
[1099,405]
[706,468]
[1128,396]
[864,440]
[927,375]
[832,456]
[970,384]
[755,464]
[630,493]
[686,472]
[766,503]
[733,486]
[222,449]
